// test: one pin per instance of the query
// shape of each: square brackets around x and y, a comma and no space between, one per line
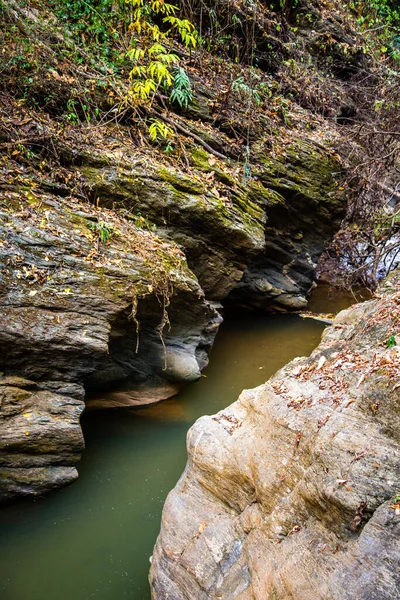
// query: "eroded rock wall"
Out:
[256,242]
[302,216]
[129,315]
[291,491]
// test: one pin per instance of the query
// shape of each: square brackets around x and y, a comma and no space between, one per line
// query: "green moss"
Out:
[303,169]
[181,182]
[171,198]
[200,160]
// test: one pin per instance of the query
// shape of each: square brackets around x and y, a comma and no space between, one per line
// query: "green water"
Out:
[94,538]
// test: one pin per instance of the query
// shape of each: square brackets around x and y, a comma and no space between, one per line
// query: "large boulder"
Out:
[292,491]
[41,438]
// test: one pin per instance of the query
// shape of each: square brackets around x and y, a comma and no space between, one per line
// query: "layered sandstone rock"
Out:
[258,241]
[118,296]
[79,316]
[291,491]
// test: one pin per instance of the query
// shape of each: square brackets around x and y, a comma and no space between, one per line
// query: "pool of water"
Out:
[94,538]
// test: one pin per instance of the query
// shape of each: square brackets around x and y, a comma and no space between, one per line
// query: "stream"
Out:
[94,538]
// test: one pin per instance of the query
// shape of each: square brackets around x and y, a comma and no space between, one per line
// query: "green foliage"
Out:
[103,230]
[94,21]
[149,52]
[71,114]
[247,92]
[382,18]
[143,223]
[391,342]
[181,91]
[159,129]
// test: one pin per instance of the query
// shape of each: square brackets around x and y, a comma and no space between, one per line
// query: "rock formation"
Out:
[131,316]
[292,491]
[115,253]
[113,302]
[266,234]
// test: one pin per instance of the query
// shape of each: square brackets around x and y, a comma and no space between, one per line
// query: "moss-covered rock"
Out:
[304,212]
[266,231]
[220,226]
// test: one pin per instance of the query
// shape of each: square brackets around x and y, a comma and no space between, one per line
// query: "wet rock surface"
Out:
[290,492]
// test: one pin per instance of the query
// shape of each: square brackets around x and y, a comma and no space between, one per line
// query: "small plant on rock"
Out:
[246,92]
[181,91]
[103,230]
[159,129]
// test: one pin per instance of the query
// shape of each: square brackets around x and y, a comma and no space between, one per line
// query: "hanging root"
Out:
[135,320]
[164,300]
[163,291]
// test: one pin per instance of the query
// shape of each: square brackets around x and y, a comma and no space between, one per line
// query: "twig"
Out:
[189,133]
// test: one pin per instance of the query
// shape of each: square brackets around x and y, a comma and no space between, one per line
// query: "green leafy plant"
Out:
[382,19]
[143,223]
[103,230]
[93,23]
[181,91]
[150,48]
[71,115]
[391,342]
[159,129]
[247,92]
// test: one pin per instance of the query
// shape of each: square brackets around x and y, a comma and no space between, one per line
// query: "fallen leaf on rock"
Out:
[350,402]
[361,380]
[396,505]
[202,527]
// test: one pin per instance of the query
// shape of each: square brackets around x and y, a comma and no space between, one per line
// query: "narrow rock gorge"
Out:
[132,320]
[161,167]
